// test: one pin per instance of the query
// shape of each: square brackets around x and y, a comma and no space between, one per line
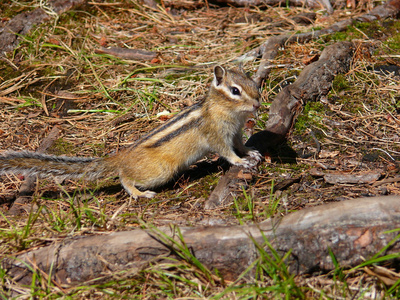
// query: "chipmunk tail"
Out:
[44,165]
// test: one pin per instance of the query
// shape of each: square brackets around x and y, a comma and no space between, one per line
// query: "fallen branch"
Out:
[313,82]
[353,230]
[222,191]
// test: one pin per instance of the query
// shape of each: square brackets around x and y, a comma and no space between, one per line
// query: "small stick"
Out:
[130,54]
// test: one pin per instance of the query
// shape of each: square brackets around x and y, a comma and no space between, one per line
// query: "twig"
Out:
[131,54]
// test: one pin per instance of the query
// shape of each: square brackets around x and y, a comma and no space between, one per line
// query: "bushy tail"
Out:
[43,165]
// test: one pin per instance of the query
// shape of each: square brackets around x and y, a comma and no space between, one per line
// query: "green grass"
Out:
[311,116]
[19,236]
[272,278]
[247,208]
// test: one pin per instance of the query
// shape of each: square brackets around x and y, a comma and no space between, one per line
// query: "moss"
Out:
[372,30]
[358,31]
[386,31]
[393,42]
[350,34]
[9,9]
[62,147]
[98,149]
[205,185]
[340,83]
[312,115]
[7,72]
[339,36]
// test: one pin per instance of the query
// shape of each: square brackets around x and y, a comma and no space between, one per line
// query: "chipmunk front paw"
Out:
[246,163]
[254,154]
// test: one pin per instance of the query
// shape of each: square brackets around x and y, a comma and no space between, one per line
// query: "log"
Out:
[353,230]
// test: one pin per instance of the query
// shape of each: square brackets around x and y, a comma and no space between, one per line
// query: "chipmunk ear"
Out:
[219,74]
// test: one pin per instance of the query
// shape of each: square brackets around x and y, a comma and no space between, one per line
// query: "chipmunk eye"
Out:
[235,90]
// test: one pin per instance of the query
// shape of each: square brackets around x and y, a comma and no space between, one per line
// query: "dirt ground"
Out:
[58,77]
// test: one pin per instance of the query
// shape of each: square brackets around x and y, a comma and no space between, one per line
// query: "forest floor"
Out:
[59,76]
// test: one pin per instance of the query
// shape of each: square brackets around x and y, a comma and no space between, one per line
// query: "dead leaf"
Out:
[388,277]
[246,176]
[328,154]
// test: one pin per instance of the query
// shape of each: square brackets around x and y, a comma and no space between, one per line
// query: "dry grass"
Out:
[111,102]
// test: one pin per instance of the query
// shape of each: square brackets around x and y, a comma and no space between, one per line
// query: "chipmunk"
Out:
[214,124]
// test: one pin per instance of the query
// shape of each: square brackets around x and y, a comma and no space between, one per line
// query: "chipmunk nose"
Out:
[256,105]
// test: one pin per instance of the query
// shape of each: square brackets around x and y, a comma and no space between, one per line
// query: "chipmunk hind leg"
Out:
[130,187]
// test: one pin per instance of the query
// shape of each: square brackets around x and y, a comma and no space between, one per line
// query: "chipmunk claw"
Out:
[249,162]
[245,163]
[252,160]
[145,194]
[254,154]
[149,194]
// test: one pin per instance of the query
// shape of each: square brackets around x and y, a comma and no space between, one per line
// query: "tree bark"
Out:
[353,230]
